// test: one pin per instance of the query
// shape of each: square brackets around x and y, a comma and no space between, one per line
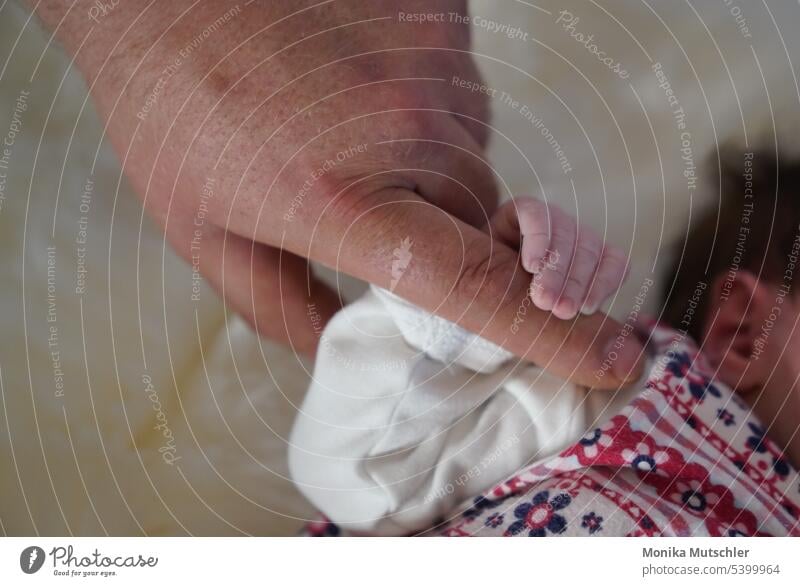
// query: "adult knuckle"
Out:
[411,122]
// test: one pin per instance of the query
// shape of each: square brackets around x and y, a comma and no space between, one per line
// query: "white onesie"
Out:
[408,415]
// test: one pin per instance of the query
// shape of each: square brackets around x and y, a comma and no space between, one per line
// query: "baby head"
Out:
[734,283]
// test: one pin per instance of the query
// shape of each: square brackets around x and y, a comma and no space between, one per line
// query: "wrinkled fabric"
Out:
[408,414]
[686,457]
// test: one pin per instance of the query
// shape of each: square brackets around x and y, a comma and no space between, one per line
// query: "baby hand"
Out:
[573,269]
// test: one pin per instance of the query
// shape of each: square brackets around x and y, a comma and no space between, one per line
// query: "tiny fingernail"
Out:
[527,264]
[543,299]
[565,309]
[532,264]
[590,307]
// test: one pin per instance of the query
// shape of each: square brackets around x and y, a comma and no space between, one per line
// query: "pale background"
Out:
[88,462]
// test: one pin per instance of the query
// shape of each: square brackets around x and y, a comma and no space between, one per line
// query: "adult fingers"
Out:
[446,164]
[457,271]
[272,289]
[471,99]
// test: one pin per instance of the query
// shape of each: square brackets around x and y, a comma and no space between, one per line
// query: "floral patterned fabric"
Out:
[685,458]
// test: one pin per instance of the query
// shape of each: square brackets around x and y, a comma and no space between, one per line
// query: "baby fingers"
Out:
[552,271]
[585,261]
[611,274]
[573,268]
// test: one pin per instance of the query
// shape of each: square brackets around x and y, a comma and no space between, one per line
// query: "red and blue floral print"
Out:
[686,457]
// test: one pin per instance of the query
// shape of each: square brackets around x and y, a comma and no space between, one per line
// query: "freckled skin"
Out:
[332,134]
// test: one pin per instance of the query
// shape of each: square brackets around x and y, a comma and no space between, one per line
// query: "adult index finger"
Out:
[397,240]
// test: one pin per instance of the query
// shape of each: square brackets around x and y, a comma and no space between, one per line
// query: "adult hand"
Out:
[337,131]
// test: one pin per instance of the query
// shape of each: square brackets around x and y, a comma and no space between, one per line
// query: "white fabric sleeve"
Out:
[441,339]
[389,439]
